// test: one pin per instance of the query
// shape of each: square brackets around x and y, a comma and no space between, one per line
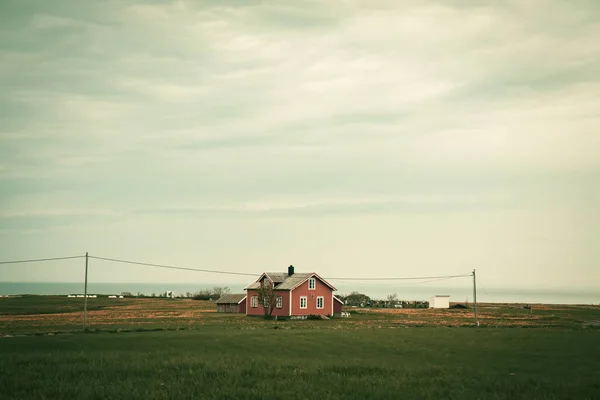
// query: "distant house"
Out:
[232,303]
[298,294]
[439,301]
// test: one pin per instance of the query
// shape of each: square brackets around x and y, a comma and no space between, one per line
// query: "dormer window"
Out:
[266,283]
[312,284]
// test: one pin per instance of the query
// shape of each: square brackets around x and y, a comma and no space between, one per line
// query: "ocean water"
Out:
[376,291]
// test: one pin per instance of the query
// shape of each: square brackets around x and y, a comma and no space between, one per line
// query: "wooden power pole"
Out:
[475,299]
[85,293]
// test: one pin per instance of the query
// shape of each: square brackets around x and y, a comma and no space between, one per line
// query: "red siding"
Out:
[337,306]
[284,311]
[311,299]
[242,308]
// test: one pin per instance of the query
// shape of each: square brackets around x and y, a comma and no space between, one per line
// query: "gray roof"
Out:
[285,282]
[277,277]
[232,298]
[293,280]
[253,285]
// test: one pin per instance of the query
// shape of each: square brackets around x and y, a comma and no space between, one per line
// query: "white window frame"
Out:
[312,283]
[305,302]
[254,301]
[322,298]
[279,303]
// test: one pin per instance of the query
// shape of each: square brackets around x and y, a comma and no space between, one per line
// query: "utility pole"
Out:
[85,293]
[475,299]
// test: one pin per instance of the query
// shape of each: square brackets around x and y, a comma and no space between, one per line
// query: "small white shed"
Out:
[439,301]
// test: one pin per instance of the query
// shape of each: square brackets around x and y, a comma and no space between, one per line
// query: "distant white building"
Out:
[170,294]
[439,301]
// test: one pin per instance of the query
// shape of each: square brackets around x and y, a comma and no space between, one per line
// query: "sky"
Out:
[349,138]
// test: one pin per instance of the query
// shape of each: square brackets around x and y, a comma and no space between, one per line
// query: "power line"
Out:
[40,260]
[431,278]
[173,267]
[401,279]
[249,274]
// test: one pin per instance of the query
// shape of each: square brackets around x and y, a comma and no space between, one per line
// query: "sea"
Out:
[376,291]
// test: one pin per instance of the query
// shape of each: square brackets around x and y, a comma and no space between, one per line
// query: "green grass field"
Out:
[218,363]
[374,354]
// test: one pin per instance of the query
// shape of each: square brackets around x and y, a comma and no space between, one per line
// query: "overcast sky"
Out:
[351,138]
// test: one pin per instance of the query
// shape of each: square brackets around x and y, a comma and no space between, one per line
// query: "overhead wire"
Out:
[425,279]
[40,260]
[401,278]
[173,267]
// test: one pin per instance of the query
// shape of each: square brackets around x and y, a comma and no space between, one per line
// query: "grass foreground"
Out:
[217,363]
[153,350]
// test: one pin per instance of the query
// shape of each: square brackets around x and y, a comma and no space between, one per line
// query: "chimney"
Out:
[290,270]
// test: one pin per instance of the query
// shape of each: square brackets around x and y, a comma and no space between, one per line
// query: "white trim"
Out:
[305,302]
[254,302]
[322,302]
[279,302]
[332,297]
[312,280]
[291,302]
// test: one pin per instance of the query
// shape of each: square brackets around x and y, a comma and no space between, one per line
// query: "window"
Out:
[303,302]
[312,283]
[279,302]
[320,302]
[266,283]
[266,302]
[254,301]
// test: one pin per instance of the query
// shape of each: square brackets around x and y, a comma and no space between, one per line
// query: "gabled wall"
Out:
[311,296]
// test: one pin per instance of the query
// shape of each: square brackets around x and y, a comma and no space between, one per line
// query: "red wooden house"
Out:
[298,294]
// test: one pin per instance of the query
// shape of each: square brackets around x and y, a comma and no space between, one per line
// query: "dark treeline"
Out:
[202,294]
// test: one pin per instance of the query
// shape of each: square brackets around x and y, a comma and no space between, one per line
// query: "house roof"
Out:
[338,300]
[284,281]
[232,298]
[276,277]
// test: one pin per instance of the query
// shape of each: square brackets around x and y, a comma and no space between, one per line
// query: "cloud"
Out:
[163,110]
[57,213]
[283,207]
